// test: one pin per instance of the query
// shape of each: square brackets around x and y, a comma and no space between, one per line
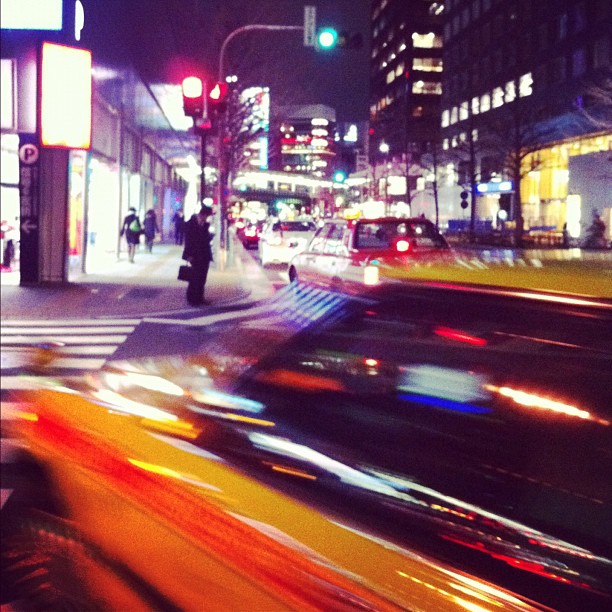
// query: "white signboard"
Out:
[310,26]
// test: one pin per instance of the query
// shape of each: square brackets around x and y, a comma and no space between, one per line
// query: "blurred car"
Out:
[353,251]
[423,445]
[281,240]
[249,235]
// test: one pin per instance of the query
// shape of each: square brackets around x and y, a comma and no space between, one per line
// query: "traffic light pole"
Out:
[203,166]
[223,169]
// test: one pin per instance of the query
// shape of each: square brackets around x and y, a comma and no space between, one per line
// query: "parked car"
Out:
[348,251]
[422,445]
[281,240]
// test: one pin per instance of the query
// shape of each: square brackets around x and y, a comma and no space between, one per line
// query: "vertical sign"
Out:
[29,194]
[310,26]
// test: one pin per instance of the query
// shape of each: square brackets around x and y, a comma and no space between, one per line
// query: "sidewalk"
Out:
[147,287]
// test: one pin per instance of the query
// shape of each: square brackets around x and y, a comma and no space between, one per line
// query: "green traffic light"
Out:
[327,38]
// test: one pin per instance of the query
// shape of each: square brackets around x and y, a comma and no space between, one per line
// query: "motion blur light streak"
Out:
[438,402]
[118,382]
[453,334]
[535,401]
[119,403]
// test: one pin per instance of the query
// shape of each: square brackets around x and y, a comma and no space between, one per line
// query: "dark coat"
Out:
[150,227]
[197,242]
[130,236]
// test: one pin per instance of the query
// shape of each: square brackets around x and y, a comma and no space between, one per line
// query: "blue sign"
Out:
[495,187]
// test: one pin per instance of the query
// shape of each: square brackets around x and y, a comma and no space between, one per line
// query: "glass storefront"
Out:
[546,192]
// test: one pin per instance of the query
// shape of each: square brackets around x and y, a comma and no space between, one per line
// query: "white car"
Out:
[281,240]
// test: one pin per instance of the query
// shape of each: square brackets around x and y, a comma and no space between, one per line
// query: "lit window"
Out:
[526,85]
[485,103]
[390,76]
[498,97]
[401,47]
[445,118]
[510,91]
[463,111]
[475,105]
[426,41]
[445,144]
[454,142]
[453,116]
[427,64]
[426,87]
[399,70]
[474,135]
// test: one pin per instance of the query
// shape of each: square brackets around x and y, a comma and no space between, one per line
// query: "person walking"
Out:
[132,229]
[179,227]
[198,253]
[150,229]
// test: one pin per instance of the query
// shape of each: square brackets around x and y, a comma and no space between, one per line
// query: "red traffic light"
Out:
[192,87]
[218,93]
[193,98]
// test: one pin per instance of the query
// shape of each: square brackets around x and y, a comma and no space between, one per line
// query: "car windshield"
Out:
[382,234]
[294,226]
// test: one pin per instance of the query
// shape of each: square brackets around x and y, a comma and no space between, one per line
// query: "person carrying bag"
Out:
[198,253]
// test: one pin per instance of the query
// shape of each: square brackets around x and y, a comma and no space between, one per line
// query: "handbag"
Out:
[184,273]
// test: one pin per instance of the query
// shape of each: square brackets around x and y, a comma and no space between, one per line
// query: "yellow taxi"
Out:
[430,444]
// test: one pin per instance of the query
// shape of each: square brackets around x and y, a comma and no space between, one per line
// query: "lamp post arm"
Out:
[254,27]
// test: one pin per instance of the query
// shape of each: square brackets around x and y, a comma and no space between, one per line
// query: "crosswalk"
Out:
[78,346]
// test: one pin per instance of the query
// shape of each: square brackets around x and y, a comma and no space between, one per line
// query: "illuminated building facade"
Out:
[518,105]
[304,140]
[405,76]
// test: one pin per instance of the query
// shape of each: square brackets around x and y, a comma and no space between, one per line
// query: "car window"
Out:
[295,226]
[333,244]
[381,235]
[318,241]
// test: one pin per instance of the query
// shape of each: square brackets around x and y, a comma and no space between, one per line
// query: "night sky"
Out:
[169,39]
